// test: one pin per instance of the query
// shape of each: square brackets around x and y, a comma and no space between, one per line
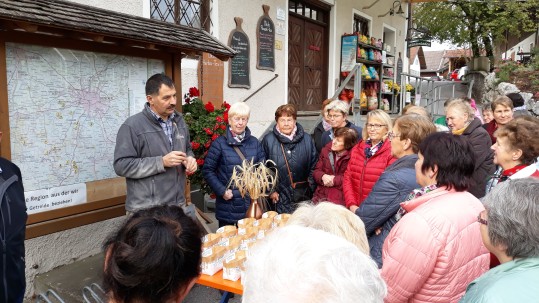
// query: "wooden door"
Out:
[307,63]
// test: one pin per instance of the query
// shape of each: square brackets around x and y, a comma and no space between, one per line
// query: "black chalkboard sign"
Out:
[238,71]
[265,38]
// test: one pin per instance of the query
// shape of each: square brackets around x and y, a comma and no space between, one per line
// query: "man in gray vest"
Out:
[153,151]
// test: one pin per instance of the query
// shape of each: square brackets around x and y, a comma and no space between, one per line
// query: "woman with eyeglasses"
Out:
[338,118]
[516,150]
[368,159]
[294,154]
[397,181]
[462,122]
[509,229]
[435,249]
[225,153]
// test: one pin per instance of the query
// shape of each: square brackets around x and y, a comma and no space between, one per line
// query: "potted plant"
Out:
[206,123]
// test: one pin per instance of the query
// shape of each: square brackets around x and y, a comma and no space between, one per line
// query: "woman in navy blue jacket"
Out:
[221,159]
[289,138]
[378,210]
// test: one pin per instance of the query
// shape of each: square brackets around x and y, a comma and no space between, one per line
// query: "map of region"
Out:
[65,108]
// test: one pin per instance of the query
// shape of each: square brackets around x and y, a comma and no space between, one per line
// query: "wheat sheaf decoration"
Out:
[255,179]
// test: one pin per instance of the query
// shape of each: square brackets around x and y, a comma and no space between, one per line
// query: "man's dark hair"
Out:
[452,155]
[154,84]
[154,255]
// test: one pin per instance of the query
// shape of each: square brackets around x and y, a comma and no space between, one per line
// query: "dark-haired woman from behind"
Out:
[154,257]
[435,249]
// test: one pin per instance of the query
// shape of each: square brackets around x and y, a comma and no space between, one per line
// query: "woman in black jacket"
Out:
[295,156]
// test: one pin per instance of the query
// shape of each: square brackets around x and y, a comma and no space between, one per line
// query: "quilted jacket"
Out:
[484,165]
[217,170]
[362,173]
[301,156]
[435,250]
[380,207]
[323,167]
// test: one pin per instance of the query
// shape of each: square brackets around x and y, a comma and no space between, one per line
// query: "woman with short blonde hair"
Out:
[368,159]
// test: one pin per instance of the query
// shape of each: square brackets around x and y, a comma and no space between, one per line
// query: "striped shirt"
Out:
[165,125]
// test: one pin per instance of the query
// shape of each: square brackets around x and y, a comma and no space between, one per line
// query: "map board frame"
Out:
[107,196]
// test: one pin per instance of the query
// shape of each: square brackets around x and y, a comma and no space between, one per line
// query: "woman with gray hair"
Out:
[300,264]
[461,120]
[334,219]
[510,230]
[337,116]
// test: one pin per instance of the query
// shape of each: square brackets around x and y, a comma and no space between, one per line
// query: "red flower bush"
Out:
[209,107]
[195,145]
[193,92]
[206,123]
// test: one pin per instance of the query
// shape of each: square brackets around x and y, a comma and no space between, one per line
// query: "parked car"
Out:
[462,72]
[454,75]
[436,78]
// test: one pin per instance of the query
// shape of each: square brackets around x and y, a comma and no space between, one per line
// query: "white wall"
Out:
[523,45]
[132,7]
[265,102]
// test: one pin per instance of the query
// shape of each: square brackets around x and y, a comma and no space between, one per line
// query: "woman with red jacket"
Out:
[332,163]
[368,159]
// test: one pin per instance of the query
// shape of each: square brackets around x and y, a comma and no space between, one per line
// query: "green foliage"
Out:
[206,123]
[505,70]
[476,24]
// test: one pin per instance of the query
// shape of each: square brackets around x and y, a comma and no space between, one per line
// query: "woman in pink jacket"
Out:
[435,249]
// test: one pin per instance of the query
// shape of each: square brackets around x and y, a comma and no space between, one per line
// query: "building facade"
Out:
[307,70]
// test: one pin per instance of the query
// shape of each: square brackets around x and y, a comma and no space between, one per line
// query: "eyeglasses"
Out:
[238,119]
[391,135]
[334,116]
[374,126]
[481,220]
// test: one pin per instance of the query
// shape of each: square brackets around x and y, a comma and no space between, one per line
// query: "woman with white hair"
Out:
[510,230]
[225,153]
[334,219]
[299,264]
[461,120]
[337,116]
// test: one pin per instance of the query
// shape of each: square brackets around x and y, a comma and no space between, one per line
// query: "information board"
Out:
[65,108]
[265,38]
[238,71]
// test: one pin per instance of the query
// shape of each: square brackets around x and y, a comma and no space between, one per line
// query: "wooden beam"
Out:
[31,28]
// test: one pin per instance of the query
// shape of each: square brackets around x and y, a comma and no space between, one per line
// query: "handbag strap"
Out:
[238,151]
[288,168]
[332,161]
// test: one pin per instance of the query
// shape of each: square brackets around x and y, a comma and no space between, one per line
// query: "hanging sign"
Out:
[238,71]
[265,38]
[418,42]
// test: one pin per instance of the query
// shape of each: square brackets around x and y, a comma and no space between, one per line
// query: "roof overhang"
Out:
[77,21]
